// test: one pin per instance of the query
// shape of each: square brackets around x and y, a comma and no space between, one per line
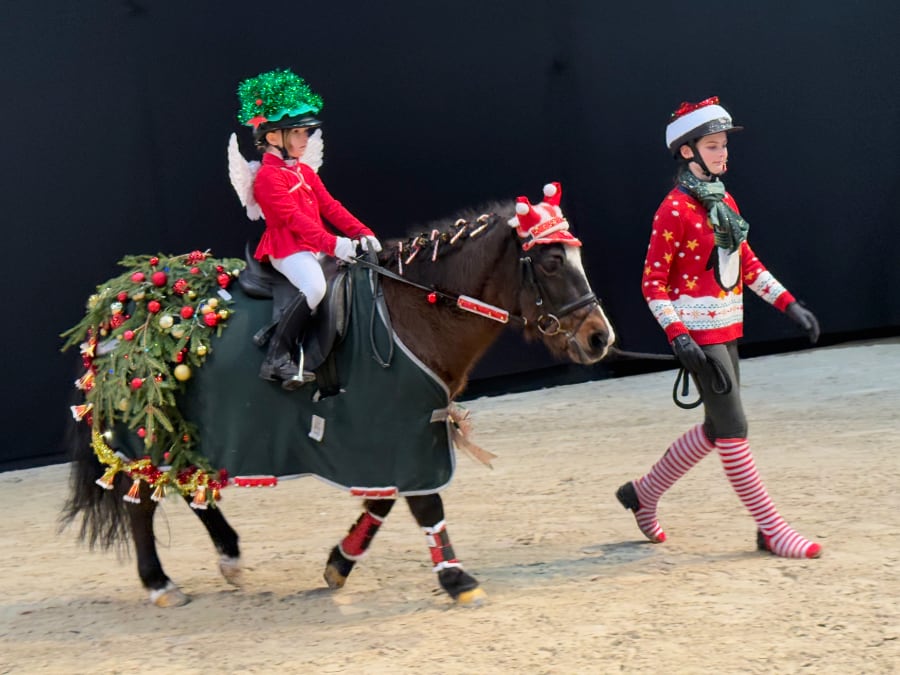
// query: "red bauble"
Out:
[153,306]
[187,312]
[142,432]
[116,320]
[432,298]
[137,383]
[211,319]
[128,335]
[224,279]
[180,287]
[159,279]
[195,270]
[122,297]
[138,277]
[154,260]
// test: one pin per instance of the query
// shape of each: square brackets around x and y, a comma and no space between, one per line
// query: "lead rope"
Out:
[721,382]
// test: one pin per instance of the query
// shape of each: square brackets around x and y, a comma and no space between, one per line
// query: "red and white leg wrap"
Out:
[683,454]
[355,545]
[780,538]
[442,554]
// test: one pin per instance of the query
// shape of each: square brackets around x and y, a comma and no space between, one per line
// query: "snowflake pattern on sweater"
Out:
[692,286]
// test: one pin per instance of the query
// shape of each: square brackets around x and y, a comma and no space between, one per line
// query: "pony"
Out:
[445,296]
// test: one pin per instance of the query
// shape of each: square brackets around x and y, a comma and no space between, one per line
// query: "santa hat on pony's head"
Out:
[543,223]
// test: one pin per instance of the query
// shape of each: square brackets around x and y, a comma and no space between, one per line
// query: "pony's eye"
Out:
[552,262]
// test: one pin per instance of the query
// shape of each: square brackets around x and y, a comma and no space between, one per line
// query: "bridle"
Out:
[548,321]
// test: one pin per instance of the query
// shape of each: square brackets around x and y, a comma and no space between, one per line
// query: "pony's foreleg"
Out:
[163,591]
[355,545]
[225,539]
[428,510]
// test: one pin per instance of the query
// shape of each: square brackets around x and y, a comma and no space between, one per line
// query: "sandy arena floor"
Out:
[572,586]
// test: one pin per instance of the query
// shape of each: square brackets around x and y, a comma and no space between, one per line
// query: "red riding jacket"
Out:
[294,202]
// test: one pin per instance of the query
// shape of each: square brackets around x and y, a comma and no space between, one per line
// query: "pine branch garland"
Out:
[141,335]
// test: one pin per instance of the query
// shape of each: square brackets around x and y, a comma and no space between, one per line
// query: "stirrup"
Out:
[299,378]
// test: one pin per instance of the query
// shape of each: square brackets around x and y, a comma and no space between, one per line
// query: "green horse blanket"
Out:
[385,434]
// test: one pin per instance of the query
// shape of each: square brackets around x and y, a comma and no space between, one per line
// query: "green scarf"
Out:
[730,229]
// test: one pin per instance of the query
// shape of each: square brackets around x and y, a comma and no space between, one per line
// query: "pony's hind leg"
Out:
[225,539]
[163,591]
[355,545]
[428,510]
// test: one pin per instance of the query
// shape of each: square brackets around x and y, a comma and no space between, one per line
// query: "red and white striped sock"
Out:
[677,461]
[780,538]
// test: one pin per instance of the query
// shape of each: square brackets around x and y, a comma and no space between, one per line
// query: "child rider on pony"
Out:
[282,110]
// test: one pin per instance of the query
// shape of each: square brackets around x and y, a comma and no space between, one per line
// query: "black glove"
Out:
[805,319]
[689,353]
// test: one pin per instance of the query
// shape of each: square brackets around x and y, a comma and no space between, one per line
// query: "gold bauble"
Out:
[182,372]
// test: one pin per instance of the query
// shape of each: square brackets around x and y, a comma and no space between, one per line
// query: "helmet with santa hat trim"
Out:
[695,120]
[543,223]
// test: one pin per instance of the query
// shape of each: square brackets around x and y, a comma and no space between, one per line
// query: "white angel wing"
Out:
[242,174]
[315,151]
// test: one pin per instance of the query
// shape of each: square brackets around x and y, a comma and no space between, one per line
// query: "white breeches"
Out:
[304,271]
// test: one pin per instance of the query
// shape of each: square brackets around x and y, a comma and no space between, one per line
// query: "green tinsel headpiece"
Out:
[270,96]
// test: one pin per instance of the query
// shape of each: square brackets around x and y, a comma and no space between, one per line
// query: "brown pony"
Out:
[449,292]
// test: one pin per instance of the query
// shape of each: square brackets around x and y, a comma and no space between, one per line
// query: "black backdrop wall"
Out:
[117,116]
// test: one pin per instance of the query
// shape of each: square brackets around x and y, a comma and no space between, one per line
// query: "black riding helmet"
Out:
[693,121]
[301,121]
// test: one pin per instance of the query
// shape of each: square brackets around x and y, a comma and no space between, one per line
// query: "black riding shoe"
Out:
[627,496]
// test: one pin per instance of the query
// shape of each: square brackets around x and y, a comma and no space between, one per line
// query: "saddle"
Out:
[328,324]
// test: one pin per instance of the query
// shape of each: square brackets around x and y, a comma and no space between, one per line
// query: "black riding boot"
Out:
[279,363]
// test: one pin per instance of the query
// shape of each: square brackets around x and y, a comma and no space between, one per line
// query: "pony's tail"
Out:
[102,515]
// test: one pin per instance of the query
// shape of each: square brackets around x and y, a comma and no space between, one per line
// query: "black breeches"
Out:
[724,413]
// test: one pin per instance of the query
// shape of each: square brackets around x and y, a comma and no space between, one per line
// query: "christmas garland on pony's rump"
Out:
[143,333]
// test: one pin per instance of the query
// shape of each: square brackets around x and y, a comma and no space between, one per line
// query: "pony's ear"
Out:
[552,193]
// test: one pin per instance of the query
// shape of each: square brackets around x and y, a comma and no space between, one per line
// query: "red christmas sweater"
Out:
[294,202]
[691,285]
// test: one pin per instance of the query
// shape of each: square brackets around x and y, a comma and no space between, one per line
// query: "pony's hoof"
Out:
[333,578]
[169,596]
[474,598]
[461,586]
[231,570]
[337,569]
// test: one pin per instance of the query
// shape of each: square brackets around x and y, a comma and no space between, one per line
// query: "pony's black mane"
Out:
[446,231]
[455,254]
[470,214]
